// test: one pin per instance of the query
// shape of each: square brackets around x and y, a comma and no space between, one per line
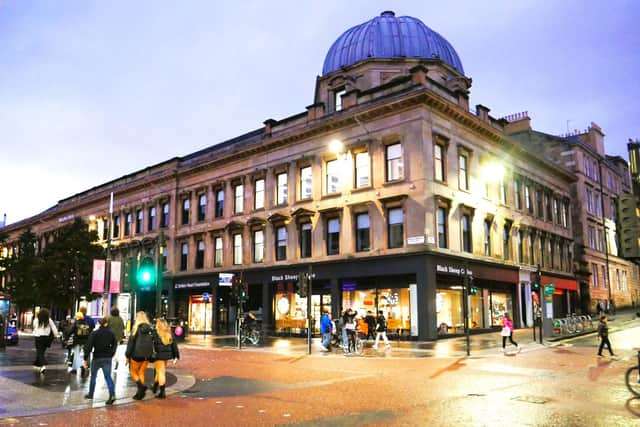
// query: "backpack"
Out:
[144,346]
[82,329]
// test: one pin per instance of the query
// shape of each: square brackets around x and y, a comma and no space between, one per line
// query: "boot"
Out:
[154,389]
[138,394]
[161,395]
[142,389]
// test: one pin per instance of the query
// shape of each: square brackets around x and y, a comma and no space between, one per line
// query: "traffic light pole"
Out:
[465,307]
[309,325]
[107,267]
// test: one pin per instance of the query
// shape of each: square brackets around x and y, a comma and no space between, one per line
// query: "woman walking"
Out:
[44,331]
[507,332]
[139,351]
[603,333]
[166,349]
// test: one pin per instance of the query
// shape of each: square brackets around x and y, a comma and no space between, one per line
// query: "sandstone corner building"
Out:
[386,185]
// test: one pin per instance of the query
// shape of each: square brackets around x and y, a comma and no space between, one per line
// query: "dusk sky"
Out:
[93,90]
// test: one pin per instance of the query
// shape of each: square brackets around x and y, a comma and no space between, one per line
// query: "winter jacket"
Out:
[382,324]
[325,324]
[134,346]
[508,323]
[603,329]
[80,340]
[102,342]
[116,324]
[165,351]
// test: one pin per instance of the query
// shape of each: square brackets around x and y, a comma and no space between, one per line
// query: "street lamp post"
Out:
[107,268]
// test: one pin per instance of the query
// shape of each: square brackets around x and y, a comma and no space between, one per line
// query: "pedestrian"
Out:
[166,349]
[116,325]
[343,331]
[326,329]
[599,308]
[507,332]
[603,333]
[381,330]
[79,335]
[87,318]
[349,320]
[140,352]
[67,339]
[44,331]
[370,320]
[103,344]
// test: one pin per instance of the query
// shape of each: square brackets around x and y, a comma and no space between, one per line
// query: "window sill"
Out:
[331,196]
[362,189]
[394,182]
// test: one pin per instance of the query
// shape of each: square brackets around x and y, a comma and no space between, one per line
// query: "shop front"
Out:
[194,303]
[495,294]
[565,295]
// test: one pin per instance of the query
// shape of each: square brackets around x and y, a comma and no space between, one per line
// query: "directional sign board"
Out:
[549,289]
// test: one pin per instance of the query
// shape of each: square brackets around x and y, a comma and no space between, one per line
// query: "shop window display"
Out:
[449,316]
[200,314]
[394,303]
[500,303]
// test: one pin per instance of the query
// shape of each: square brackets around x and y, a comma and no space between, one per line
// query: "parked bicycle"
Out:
[632,378]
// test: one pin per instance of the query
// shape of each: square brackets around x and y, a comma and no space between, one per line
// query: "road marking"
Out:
[286,415]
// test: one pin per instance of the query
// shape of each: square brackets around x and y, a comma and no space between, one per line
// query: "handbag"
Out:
[505,331]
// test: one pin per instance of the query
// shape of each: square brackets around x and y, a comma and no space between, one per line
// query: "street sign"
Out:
[205,296]
[549,289]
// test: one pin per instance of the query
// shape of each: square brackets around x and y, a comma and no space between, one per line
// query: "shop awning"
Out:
[560,283]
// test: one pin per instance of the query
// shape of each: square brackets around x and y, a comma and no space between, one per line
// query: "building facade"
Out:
[387,187]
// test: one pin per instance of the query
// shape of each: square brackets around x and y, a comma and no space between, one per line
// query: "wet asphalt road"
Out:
[562,384]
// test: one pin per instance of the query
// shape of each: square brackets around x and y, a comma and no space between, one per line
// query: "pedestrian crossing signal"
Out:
[146,274]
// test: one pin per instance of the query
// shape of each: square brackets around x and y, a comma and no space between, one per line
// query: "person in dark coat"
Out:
[139,352]
[603,333]
[103,344]
[116,325]
[79,334]
[166,349]
[370,320]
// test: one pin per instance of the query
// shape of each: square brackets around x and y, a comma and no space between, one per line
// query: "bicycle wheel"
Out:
[632,379]
[359,345]
[254,337]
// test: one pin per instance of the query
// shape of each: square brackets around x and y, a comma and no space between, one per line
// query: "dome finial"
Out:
[388,13]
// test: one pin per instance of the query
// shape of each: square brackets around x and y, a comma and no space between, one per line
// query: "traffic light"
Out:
[238,290]
[244,291]
[302,285]
[537,279]
[146,274]
[472,289]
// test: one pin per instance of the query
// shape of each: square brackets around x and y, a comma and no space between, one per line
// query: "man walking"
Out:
[326,329]
[103,343]
[116,325]
[603,333]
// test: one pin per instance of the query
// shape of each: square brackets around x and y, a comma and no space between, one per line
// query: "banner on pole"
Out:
[97,280]
[114,281]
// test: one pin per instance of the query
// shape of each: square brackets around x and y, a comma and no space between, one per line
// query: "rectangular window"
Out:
[338,98]
[116,227]
[164,220]
[127,224]
[466,233]
[281,243]
[591,233]
[503,191]
[258,194]
[442,227]
[258,246]
[163,258]
[333,177]
[237,249]
[463,176]
[305,240]
[395,232]
[547,205]
[362,170]
[521,246]
[565,214]
[139,220]
[438,162]
[200,254]
[238,192]
[539,202]
[527,199]
[362,232]
[395,168]
[219,252]
[184,256]
[517,191]
[594,275]
[282,190]
[202,207]
[590,201]
[487,238]
[305,183]
[219,204]
[151,225]
[186,205]
[333,236]
[556,209]
[506,241]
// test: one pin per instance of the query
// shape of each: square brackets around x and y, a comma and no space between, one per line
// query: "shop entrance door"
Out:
[318,303]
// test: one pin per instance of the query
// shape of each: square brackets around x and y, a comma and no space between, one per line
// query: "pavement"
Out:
[25,392]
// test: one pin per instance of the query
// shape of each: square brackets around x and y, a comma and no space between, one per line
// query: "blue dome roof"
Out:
[389,36]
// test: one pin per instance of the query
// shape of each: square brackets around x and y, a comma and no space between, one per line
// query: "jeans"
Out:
[326,340]
[77,356]
[345,340]
[41,347]
[103,363]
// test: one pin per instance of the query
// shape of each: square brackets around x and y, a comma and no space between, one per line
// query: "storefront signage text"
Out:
[449,269]
[288,277]
[191,285]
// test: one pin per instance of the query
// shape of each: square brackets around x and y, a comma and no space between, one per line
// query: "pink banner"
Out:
[97,281]
[114,281]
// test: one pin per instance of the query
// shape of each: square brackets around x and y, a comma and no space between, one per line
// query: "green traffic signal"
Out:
[473,290]
[146,274]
